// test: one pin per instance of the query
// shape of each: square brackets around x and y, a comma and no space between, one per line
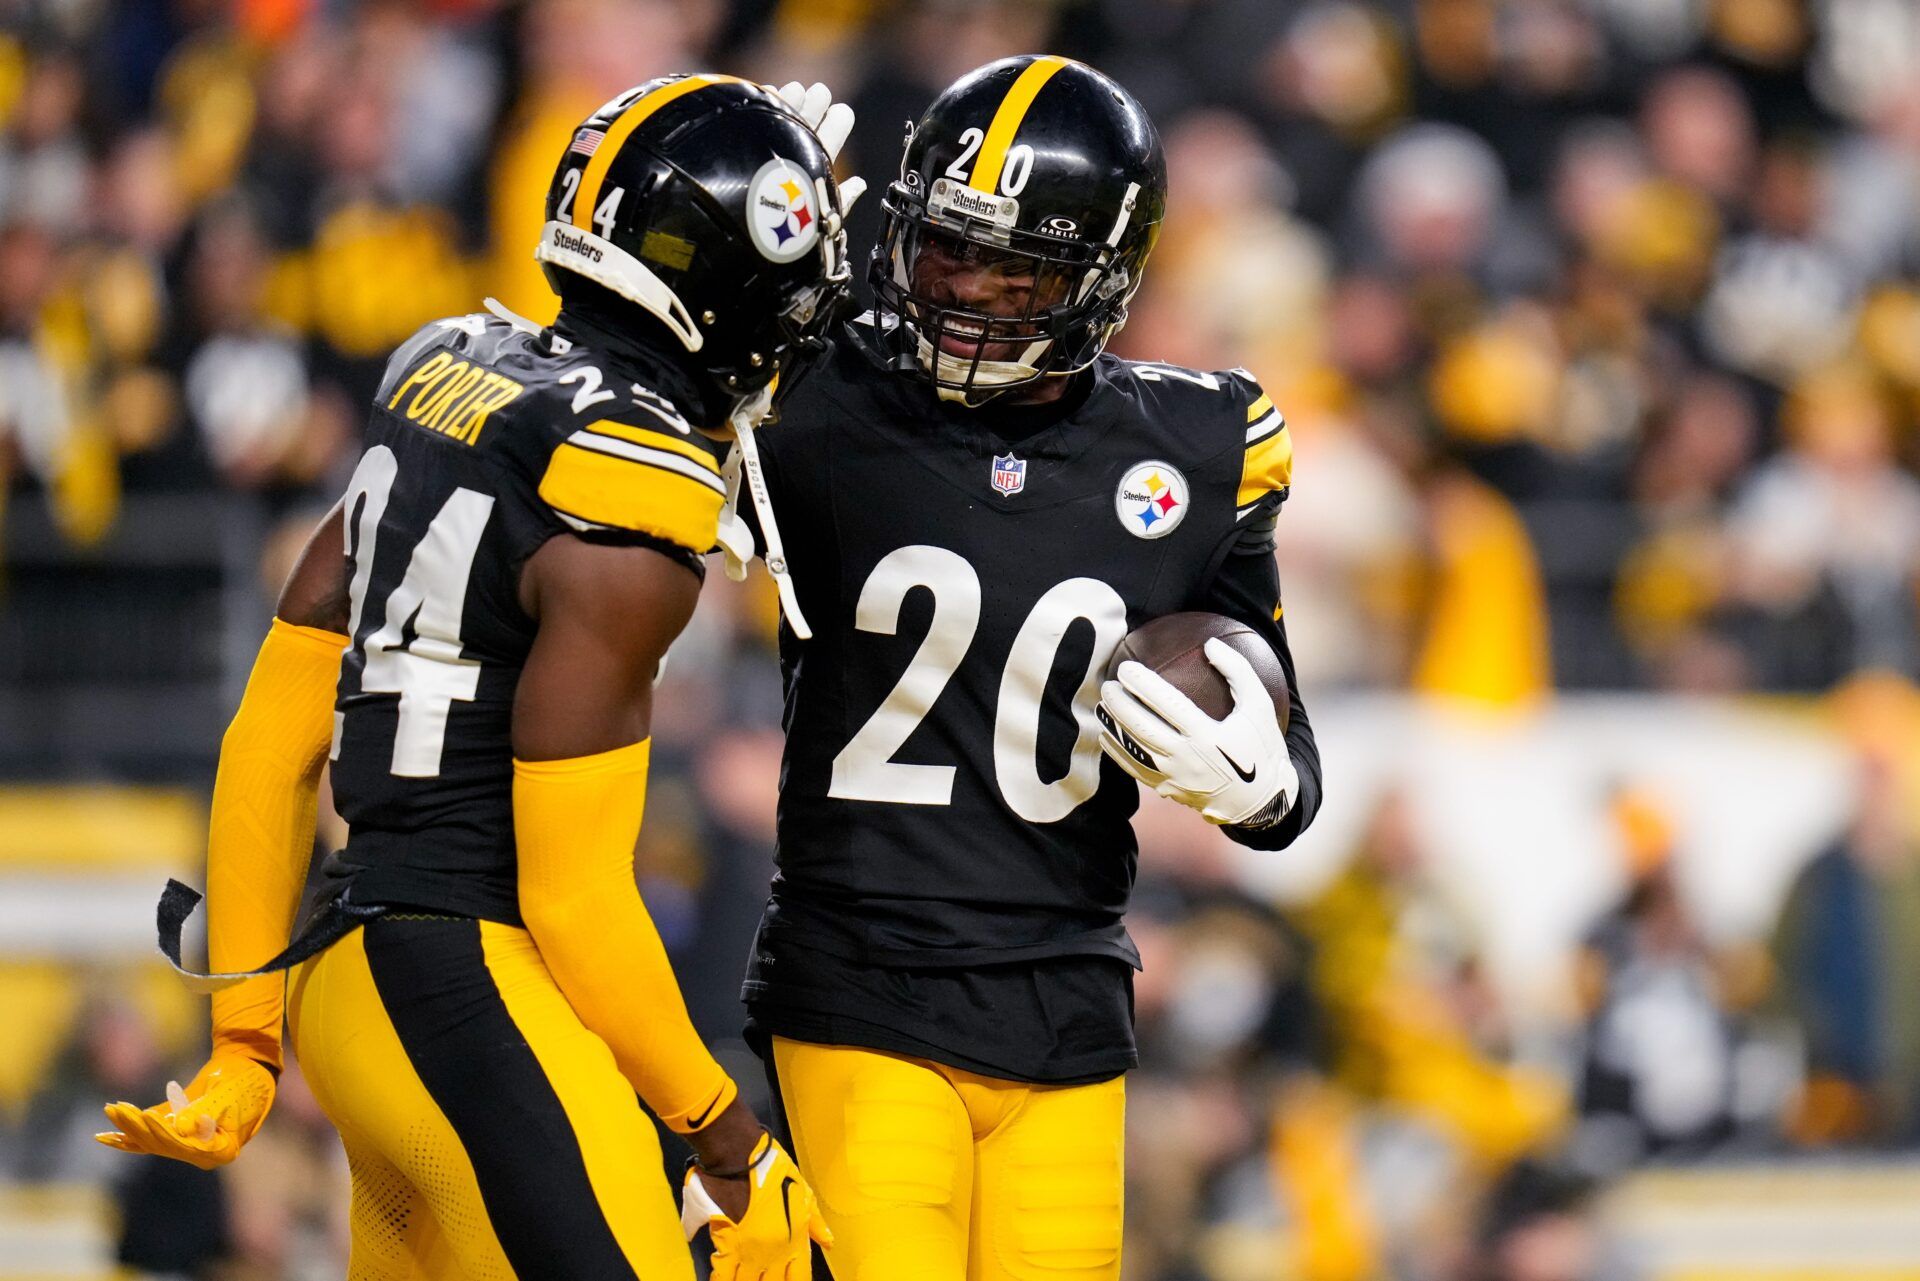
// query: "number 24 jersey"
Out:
[485,440]
[967,575]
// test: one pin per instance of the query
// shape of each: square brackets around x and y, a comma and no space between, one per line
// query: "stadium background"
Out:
[1598,325]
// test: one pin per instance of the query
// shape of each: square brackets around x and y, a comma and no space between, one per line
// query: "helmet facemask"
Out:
[985,307]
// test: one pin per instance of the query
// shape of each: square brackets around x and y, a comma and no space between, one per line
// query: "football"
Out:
[1174,646]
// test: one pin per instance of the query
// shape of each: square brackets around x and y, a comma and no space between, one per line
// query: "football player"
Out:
[979,504]
[472,636]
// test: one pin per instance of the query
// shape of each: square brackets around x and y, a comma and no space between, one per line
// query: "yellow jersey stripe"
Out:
[1007,120]
[1259,406]
[625,493]
[588,197]
[647,455]
[1268,468]
[655,440]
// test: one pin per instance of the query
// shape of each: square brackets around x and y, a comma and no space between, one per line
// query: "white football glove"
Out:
[831,122]
[1234,771]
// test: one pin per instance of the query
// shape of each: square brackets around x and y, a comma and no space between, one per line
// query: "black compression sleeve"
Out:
[1246,587]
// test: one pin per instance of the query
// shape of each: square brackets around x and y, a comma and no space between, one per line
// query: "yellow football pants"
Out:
[489,1134]
[930,1173]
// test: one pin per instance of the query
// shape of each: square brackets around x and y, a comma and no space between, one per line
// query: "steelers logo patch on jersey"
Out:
[780,209]
[1152,499]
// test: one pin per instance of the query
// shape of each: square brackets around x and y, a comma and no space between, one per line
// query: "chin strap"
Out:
[736,540]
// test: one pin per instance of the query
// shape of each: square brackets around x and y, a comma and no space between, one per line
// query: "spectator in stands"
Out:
[247,389]
[1657,1075]
[1827,540]
[1225,1022]
[1539,1226]
[172,1216]
[1847,952]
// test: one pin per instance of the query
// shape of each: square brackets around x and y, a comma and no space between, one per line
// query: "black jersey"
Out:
[967,575]
[485,441]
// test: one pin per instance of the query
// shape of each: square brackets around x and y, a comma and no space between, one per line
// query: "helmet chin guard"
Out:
[958,380]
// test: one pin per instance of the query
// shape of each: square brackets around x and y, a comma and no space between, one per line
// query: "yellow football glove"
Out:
[772,1240]
[205,1124]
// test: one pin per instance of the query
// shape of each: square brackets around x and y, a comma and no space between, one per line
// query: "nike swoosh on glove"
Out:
[207,1123]
[1235,770]
[773,1241]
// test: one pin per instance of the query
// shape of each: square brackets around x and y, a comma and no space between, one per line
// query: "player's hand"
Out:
[1235,770]
[831,122]
[773,1238]
[207,1123]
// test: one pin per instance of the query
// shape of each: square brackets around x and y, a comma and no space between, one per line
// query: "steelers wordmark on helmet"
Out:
[1152,499]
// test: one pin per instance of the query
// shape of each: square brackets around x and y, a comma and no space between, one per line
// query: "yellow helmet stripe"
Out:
[587,198]
[1007,120]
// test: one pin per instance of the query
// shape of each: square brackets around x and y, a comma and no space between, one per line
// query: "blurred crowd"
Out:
[1596,320]
[1597,323]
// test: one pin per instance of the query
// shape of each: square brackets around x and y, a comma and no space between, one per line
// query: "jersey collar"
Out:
[634,357]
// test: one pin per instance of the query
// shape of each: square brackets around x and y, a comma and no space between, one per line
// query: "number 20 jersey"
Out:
[967,575]
[485,441]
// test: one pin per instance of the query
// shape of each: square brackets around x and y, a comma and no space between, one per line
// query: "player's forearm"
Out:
[260,830]
[576,822]
[1247,588]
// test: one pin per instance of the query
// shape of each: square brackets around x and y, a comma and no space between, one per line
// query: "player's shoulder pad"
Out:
[1219,412]
[1266,466]
[624,458]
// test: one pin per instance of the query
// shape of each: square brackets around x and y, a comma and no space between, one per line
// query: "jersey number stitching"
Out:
[865,770]
[589,394]
[426,670]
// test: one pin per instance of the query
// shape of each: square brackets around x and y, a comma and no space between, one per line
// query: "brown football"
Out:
[1174,646]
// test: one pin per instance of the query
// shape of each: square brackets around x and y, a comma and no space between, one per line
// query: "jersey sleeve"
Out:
[1266,465]
[626,482]
[1244,585]
[1246,588]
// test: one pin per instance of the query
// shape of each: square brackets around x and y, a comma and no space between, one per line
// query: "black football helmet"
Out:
[1028,199]
[705,202]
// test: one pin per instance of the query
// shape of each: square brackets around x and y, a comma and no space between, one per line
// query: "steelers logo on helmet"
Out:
[781,211]
[1152,499]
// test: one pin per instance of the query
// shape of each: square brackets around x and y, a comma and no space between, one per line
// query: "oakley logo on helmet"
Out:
[564,239]
[780,211]
[1060,227]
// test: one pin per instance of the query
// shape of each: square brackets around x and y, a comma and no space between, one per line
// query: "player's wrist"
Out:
[1274,810]
[726,1147]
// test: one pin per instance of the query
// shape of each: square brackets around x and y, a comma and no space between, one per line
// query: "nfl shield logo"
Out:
[1009,474]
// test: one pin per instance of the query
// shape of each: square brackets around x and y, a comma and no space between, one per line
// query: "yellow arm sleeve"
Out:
[260,835]
[576,822]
